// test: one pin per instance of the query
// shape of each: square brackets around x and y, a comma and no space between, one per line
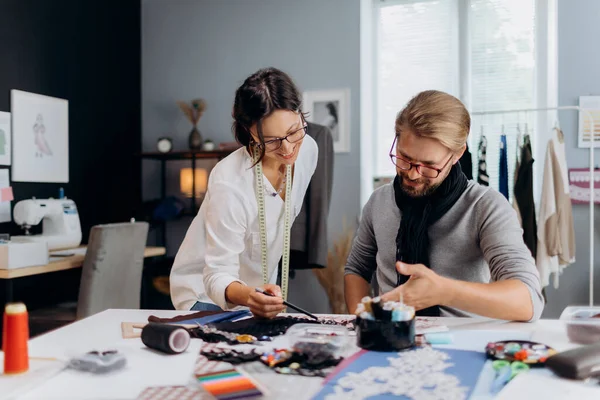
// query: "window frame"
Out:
[545,76]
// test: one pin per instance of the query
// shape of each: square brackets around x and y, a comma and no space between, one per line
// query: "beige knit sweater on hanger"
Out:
[556,235]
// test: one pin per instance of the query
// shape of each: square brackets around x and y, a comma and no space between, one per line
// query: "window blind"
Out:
[417,49]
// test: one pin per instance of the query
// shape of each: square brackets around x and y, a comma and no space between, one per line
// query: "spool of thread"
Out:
[386,312]
[360,308]
[15,334]
[377,307]
[170,339]
[366,315]
[366,302]
[439,338]
[403,313]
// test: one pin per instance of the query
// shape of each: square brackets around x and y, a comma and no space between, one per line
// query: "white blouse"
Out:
[222,244]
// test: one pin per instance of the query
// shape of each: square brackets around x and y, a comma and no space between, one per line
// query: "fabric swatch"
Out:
[419,373]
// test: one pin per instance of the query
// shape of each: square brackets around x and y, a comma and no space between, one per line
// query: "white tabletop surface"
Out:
[103,331]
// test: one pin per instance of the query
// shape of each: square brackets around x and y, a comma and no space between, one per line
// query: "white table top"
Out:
[103,331]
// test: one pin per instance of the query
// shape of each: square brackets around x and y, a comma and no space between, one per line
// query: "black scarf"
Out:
[418,214]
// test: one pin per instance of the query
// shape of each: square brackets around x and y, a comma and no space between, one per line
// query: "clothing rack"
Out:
[592,134]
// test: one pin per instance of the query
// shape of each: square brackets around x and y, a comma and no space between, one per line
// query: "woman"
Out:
[331,119]
[226,254]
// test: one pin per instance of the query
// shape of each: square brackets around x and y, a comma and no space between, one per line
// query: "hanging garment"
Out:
[515,204]
[503,176]
[523,195]
[466,163]
[555,232]
[309,232]
[482,175]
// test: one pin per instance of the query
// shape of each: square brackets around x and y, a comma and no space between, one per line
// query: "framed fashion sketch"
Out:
[332,109]
[592,104]
[5,137]
[40,138]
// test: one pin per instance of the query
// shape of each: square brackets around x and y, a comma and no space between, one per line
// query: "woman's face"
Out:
[282,124]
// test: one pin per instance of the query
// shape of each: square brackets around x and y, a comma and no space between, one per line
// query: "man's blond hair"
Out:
[436,115]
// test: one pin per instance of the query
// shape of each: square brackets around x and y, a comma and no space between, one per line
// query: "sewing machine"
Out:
[61,226]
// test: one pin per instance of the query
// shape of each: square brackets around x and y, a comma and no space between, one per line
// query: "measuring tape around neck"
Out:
[262,222]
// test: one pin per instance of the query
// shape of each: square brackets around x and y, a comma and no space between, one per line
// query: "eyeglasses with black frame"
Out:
[294,137]
[423,170]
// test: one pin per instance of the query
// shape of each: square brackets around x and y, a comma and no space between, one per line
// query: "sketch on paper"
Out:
[592,105]
[4,204]
[40,138]
[331,108]
[39,130]
[5,137]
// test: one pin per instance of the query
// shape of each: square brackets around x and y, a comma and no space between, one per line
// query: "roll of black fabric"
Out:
[170,339]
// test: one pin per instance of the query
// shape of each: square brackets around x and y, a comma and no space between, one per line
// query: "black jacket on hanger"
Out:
[309,232]
[523,192]
[466,163]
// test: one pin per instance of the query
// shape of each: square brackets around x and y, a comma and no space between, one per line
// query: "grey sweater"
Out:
[478,240]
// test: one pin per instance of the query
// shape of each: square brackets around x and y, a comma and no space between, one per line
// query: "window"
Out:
[481,51]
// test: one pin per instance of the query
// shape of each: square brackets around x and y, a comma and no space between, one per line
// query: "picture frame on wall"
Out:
[5,138]
[592,105]
[40,138]
[331,108]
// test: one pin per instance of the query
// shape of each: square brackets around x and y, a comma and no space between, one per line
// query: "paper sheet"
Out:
[5,138]
[534,386]
[69,252]
[429,325]
[4,205]
[478,339]
[145,367]
[40,371]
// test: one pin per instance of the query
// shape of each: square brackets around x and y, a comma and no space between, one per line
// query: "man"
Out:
[444,245]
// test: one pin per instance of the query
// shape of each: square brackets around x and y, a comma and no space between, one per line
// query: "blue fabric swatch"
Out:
[467,368]
[221,317]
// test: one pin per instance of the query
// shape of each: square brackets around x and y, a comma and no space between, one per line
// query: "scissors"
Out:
[505,371]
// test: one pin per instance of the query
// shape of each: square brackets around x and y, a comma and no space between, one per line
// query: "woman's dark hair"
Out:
[332,110]
[263,92]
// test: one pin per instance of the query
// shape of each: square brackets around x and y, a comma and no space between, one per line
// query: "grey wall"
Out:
[206,48]
[578,75]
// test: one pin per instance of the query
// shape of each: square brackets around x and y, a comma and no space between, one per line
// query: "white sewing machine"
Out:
[61,226]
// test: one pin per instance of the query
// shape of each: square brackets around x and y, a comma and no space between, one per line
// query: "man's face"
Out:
[432,158]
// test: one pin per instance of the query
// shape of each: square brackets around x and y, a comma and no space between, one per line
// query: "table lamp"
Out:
[186,179]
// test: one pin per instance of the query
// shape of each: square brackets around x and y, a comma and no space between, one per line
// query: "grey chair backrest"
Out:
[112,268]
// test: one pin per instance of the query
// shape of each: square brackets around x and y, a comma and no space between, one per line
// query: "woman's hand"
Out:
[266,306]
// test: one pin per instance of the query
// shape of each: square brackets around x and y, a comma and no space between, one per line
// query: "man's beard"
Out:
[425,191]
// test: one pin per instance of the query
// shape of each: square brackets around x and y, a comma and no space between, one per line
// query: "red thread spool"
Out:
[15,335]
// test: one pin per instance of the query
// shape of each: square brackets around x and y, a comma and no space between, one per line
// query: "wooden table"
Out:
[59,263]
[103,331]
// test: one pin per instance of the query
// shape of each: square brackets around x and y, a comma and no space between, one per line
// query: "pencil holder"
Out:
[380,335]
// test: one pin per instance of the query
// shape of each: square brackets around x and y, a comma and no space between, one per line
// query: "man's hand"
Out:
[266,306]
[423,289]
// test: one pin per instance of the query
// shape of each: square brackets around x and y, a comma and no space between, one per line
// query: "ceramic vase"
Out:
[195,139]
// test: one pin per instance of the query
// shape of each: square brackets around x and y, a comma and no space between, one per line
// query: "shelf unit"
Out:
[182,155]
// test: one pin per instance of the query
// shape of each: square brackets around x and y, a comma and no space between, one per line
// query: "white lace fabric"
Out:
[417,374]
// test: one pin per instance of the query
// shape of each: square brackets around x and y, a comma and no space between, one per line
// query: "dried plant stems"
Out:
[193,111]
[332,277]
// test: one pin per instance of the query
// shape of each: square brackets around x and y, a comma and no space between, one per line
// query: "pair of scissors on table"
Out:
[505,371]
